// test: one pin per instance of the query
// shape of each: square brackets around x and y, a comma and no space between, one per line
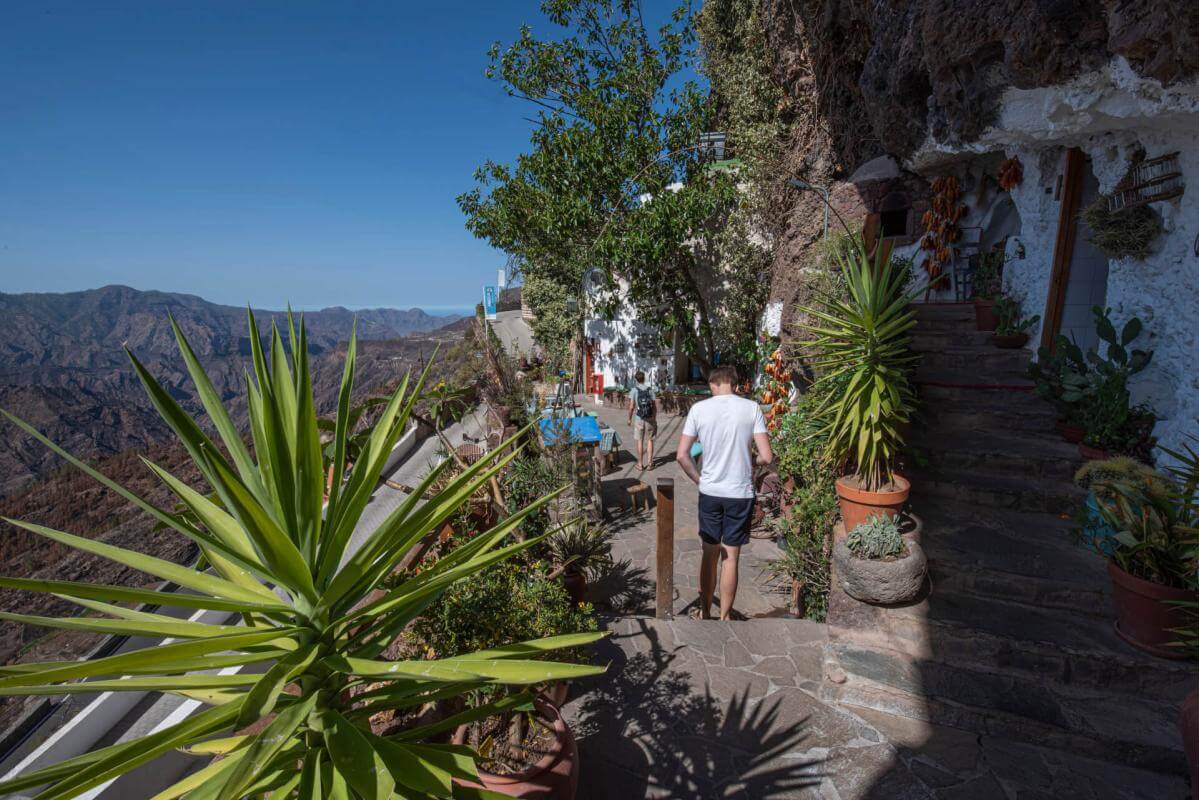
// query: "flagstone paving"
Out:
[742,709]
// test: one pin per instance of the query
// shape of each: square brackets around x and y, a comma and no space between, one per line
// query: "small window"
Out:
[894,224]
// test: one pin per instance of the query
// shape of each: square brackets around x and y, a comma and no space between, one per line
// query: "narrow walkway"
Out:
[635,533]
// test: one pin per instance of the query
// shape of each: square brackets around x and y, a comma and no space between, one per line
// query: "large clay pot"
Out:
[858,505]
[1188,724]
[1070,432]
[1145,617]
[575,583]
[1010,341]
[1092,453]
[880,582]
[554,777]
[985,318]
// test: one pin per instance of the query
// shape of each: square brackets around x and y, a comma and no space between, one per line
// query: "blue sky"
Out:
[259,152]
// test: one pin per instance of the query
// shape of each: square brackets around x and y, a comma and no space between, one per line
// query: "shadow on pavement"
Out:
[649,729]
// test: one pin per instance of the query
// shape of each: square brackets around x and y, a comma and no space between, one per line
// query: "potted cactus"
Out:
[876,564]
[863,358]
[1154,564]
[1097,477]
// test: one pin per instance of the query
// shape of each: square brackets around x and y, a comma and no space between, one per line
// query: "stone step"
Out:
[1013,397]
[1004,667]
[1014,451]
[1140,734]
[972,376]
[959,312]
[997,489]
[1013,556]
[930,340]
[986,411]
[982,358]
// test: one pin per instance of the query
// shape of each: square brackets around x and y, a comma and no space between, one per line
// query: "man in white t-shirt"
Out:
[726,426]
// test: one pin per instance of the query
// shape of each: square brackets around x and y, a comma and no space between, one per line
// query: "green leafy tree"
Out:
[615,177]
[301,606]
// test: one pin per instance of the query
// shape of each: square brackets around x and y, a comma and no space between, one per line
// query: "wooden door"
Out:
[1063,250]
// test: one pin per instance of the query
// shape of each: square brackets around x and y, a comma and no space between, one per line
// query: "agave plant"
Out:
[862,356]
[311,612]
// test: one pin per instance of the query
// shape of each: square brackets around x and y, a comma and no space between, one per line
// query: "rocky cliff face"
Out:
[916,77]
[886,74]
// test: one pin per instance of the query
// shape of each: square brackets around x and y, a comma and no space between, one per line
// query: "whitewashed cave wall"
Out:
[1109,114]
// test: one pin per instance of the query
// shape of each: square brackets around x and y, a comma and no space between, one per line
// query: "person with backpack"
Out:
[643,407]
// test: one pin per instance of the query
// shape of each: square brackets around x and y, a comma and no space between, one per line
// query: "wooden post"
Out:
[665,552]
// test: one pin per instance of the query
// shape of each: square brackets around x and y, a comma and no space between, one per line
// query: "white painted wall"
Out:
[1108,114]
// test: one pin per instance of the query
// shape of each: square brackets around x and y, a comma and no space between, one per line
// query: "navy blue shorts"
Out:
[725,520]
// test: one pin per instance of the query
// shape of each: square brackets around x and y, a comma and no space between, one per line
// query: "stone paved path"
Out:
[692,709]
[634,534]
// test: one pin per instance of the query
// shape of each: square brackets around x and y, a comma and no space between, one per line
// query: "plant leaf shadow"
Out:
[650,729]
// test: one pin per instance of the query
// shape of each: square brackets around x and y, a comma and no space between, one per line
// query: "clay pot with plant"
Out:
[1048,373]
[1011,330]
[1153,565]
[987,283]
[876,564]
[1099,398]
[527,749]
[577,550]
[862,354]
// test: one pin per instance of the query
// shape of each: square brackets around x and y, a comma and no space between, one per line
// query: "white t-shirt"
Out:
[725,425]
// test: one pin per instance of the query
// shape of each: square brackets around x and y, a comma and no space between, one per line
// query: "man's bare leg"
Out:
[649,445]
[707,579]
[728,579]
[637,446]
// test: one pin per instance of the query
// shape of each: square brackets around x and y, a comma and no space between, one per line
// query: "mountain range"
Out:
[64,369]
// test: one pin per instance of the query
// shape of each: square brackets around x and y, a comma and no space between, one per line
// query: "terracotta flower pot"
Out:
[1010,341]
[858,505]
[1145,617]
[985,318]
[1188,724]
[1070,432]
[1092,453]
[554,777]
[575,583]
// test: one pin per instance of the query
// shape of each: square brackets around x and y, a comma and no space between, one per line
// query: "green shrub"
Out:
[878,537]
[498,607]
[806,531]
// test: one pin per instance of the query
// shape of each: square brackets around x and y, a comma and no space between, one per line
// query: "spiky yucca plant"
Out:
[863,358]
[302,603]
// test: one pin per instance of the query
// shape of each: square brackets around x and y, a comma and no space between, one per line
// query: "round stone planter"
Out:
[881,583]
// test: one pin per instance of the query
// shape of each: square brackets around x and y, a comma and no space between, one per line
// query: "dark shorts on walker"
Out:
[725,520]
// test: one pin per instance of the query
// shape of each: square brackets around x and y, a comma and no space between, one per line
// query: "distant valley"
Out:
[64,369]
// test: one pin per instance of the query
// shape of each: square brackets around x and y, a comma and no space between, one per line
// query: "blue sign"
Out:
[490,295]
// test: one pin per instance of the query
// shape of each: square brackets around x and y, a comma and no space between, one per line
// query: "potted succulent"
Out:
[861,352]
[310,610]
[1096,477]
[576,550]
[1154,565]
[988,285]
[1011,331]
[876,564]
